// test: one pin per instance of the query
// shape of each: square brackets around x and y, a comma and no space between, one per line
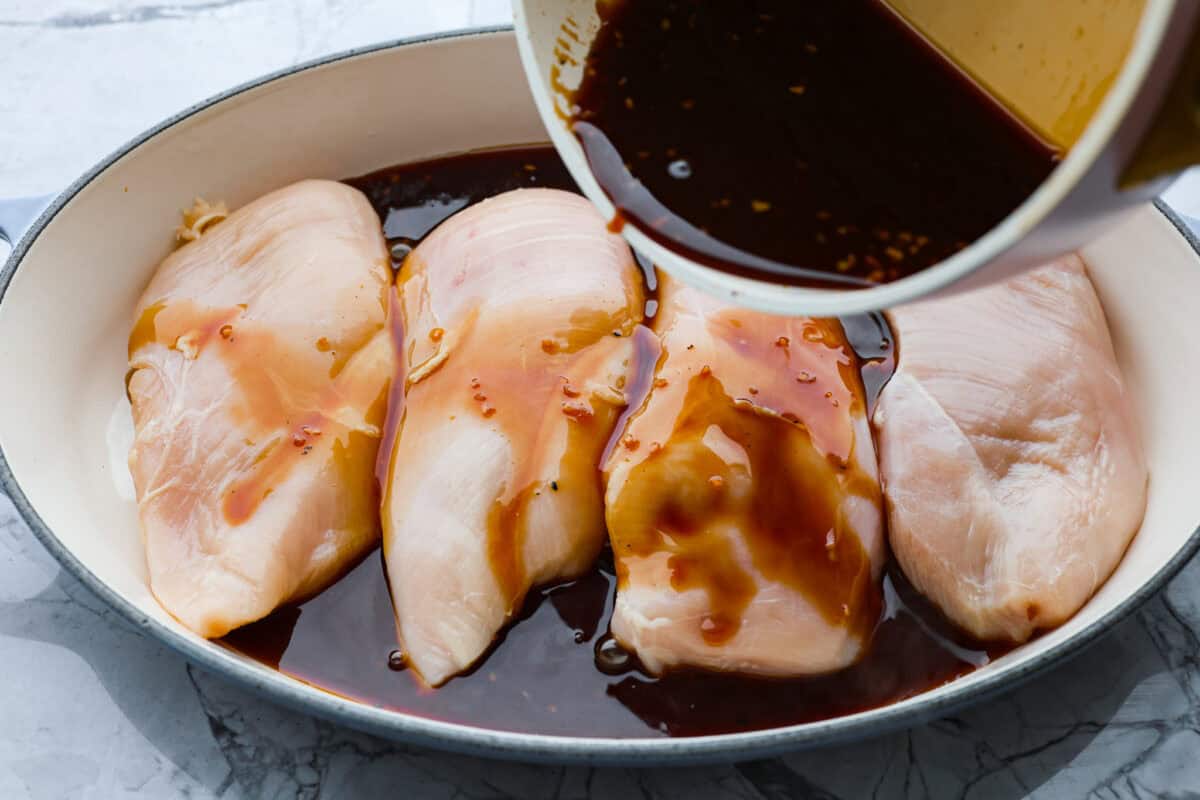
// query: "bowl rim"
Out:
[464,738]
[1153,28]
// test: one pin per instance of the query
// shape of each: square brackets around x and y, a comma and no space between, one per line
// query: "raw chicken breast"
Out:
[258,381]
[1009,453]
[742,501]
[518,315]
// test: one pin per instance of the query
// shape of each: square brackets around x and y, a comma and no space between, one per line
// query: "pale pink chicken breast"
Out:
[1009,453]
[517,316]
[742,501]
[258,381]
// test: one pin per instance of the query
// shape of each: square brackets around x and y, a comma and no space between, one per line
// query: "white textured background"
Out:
[90,709]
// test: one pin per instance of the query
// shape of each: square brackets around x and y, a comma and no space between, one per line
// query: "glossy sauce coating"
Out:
[503,331]
[802,143]
[395,398]
[544,675]
[289,422]
[794,555]
[541,677]
[258,371]
[765,407]
[412,201]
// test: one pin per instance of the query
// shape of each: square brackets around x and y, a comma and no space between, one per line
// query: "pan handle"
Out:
[18,213]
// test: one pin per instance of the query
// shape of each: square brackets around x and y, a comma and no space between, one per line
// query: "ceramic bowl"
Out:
[1077,202]
[68,291]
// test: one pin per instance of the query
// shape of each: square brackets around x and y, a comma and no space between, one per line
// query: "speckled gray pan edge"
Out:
[518,746]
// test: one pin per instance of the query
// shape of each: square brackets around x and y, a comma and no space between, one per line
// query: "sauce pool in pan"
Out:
[556,671]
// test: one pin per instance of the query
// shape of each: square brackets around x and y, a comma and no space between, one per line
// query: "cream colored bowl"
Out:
[1078,200]
[68,290]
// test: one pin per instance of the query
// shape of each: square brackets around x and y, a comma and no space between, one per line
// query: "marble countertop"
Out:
[92,709]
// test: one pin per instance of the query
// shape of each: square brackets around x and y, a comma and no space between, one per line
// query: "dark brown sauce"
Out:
[783,394]
[506,540]
[413,199]
[395,397]
[870,336]
[797,142]
[556,671]
[541,677]
[647,349]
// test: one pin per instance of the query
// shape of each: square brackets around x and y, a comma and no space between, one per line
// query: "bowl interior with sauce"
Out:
[1044,104]
[70,287]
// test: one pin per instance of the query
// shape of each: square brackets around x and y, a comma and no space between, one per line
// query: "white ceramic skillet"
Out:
[68,290]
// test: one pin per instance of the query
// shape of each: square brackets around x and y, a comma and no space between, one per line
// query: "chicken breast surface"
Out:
[1010,458]
[742,502]
[258,384]
[517,316]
